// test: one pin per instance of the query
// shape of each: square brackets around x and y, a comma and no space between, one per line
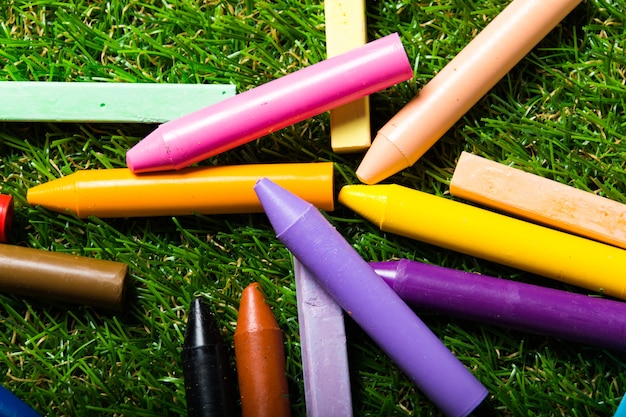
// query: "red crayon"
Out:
[260,357]
[6,216]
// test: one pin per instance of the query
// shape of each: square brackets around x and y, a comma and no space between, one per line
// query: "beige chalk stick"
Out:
[345,30]
[539,199]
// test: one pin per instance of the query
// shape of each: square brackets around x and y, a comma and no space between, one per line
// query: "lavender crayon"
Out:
[381,313]
[532,308]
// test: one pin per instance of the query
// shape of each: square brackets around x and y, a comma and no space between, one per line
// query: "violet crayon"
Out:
[373,305]
[532,308]
[324,354]
[209,379]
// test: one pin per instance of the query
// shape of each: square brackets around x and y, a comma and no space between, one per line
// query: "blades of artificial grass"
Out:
[559,113]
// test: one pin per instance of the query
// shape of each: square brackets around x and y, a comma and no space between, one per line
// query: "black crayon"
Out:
[209,379]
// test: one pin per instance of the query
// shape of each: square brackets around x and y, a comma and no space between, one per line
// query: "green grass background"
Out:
[559,113]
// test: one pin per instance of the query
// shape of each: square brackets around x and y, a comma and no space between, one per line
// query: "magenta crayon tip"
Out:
[6,216]
[153,155]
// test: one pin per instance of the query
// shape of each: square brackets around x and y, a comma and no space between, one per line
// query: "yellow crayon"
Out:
[203,190]
[492,236]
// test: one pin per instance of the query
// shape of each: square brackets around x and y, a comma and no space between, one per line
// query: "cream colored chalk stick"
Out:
[345,30]
[107,102]
[539,199]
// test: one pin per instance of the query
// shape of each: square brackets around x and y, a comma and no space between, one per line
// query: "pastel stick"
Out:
[346,29]
[106,102]
[539,199]
[324,354]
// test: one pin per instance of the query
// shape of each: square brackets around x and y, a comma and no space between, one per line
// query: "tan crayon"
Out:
[539,199]
[62,277]
[459,85]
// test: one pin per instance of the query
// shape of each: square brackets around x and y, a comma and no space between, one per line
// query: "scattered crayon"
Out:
[324,354]
[209,379]
[105,102]
[539,199]
[354,285]
[346,29]
[6,216]
[267,108]
[63,277]
[203,190]
[260,357]
[621,409]
[459,85]
[492,236]
[531,308]
[12,406]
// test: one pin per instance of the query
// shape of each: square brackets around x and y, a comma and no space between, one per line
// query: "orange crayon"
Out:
[539,199]
[260,357]
[203,190]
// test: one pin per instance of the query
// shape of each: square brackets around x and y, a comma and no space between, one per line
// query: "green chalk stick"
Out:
[108,102]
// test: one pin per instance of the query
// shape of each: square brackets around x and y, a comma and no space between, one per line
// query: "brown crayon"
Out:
[63,277]
[260,357]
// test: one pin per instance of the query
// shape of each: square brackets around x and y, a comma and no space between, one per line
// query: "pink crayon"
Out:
[279,103]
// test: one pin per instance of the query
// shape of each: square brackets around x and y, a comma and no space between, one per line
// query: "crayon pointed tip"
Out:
[367,200]
[58,195]
[281,206]
[149,155]
[201,326]
[382,160]
[254,313]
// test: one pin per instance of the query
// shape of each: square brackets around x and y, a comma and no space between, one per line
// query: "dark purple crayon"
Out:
[209,379]
[365,297]
[576,317]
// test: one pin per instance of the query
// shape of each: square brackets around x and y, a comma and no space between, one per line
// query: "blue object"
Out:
[621,410]
[11,406]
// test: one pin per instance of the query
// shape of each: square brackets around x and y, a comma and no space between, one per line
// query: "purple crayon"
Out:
[531,308]
[373,305]
[324,354]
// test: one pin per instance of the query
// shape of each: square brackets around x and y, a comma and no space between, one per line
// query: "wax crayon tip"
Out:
[58,195]
[149,155]
[6,216]
[201,326]
[359,199]
[209,380]
[274,196]
[382,160]
[254,313]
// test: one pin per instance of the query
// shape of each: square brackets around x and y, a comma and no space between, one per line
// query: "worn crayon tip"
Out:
[367,200]
[281,206]
[254,313]
[201,326]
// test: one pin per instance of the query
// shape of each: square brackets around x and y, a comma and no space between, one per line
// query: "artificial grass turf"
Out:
[559,113]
